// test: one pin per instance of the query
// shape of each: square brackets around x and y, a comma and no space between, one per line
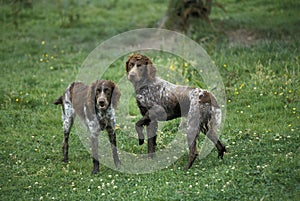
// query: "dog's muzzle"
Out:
[101,103]
[132,76]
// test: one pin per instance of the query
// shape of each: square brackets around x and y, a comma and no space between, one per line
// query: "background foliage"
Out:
[255,45]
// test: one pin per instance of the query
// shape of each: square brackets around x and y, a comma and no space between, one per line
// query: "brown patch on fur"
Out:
[116,95]
[207,97]
[139,60]
[204,97]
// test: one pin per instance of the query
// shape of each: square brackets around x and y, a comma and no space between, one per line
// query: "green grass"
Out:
[41,53]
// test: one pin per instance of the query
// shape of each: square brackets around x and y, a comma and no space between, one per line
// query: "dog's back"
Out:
[75,96]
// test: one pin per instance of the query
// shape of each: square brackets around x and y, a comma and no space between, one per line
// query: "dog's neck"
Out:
[142,84]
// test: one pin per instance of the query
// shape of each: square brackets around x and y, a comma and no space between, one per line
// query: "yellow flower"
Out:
[225,65]
[242,85]
[43,42]
[17,100]
[172,67]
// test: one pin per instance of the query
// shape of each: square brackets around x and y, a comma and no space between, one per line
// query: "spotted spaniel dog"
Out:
[95,107]
[160,100]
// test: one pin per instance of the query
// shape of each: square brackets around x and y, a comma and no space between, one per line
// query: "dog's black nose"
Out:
[101,103]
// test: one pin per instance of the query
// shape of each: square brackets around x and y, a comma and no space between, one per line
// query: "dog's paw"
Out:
[141,141]
[118,164]
[95,171]
[186,168]
[221,153]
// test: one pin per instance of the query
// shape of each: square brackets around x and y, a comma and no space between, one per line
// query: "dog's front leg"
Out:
[94,145]
[113,143]
[139,127]
[151,134]
[156,113]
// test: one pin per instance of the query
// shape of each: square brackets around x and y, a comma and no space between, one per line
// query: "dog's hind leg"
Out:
[68,120]
[194,119]
[192,136]
[214,124]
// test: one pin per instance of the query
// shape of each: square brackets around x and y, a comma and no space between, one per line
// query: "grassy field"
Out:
[255,46]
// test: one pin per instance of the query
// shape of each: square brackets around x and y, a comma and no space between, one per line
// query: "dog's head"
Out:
[106,93]
[139,67]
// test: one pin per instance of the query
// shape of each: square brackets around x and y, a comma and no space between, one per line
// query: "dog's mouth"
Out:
[101,105]
[131,77]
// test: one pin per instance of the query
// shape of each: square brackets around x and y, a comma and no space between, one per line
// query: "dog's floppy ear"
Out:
[150,68]
[127,63]
[115,97]
[91,100]
[127,68]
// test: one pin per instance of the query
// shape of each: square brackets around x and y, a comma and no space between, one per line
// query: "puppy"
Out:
[160,100]
[95,106]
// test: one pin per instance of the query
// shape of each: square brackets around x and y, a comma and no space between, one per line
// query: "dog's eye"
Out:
[107,91]
[130,65]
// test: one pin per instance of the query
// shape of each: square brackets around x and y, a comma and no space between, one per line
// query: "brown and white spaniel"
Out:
[95,106]
[160,100]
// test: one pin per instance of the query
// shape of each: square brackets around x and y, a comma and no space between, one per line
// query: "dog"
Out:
[95,106]
[160,100]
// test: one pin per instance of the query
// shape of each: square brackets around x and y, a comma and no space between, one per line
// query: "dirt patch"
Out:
[242,37]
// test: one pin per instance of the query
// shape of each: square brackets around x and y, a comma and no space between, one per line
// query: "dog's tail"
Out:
[58,101]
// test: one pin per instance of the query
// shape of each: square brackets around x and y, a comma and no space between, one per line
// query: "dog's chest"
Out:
[106,118]
[154,95]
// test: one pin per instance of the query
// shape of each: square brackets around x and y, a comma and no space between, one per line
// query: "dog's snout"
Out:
[101,102]
[132,73]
